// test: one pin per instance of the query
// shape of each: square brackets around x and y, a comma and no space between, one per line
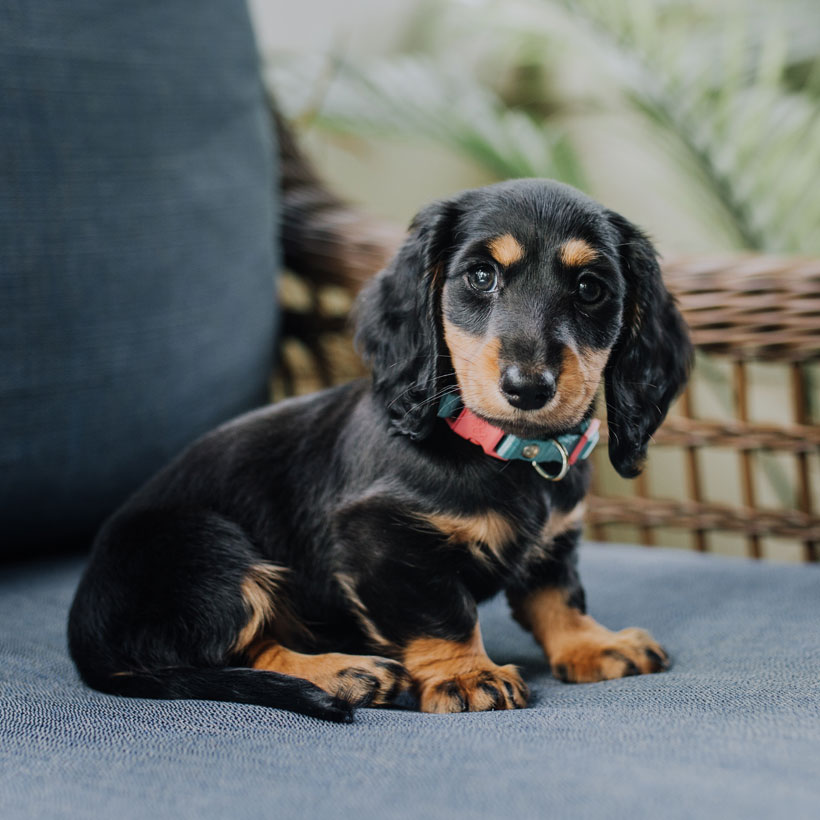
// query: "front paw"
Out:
[604,655]
[477,690]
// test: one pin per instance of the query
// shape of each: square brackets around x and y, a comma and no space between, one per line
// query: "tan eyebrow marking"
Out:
[576,252]
[506,249]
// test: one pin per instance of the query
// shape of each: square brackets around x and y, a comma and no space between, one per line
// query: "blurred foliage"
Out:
[417,95]
[730,91]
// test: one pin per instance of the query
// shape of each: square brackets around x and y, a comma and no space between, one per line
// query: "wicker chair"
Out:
[742,310]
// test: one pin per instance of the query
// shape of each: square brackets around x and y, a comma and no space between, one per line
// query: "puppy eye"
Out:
[484,280]
[590,290]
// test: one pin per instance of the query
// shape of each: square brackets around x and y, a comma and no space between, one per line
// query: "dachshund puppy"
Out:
[330,551]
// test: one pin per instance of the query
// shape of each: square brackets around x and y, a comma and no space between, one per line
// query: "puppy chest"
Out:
[500,542]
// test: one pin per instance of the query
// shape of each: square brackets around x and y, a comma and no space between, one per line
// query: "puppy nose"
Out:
[527,391]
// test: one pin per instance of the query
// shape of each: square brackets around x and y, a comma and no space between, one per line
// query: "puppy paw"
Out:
[356,680]
[603,655]
[371,681]
[477,690]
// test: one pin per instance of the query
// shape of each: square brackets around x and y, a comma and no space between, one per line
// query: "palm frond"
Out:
[713,89]
[412,96]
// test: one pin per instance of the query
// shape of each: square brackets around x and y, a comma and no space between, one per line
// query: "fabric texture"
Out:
[731,731]
[137,248]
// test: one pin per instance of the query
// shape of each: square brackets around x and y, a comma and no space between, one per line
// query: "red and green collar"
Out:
[565,449]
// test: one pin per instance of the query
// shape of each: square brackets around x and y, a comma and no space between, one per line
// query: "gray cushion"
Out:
[137,250]
[732,731]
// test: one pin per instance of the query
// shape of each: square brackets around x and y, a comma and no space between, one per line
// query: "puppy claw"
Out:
[478,690]
[375,682]
[658,660]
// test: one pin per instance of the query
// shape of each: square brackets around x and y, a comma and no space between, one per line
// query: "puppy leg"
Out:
[415,613]
[167,605]
[458,676]
[168,588]
[436,636]
[578,648]
[361,680]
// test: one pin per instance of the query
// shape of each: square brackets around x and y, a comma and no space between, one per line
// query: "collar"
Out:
[565,450]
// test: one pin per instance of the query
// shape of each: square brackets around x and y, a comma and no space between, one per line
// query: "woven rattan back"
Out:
[747,466]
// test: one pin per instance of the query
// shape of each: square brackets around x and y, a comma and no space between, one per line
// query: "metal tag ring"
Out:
[564,464]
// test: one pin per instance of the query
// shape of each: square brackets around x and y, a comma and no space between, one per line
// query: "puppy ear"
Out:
[398,327]
[650,362]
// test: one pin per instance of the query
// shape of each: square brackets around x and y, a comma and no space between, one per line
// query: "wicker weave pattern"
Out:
[701,517]
[745,309]
[683,432]
[750,307]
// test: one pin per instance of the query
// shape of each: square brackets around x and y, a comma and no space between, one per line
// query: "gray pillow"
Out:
[137,249]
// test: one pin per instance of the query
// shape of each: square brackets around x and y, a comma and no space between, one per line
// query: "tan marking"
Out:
[488,529]
[577,252]
[579,649]
[258,590]
[475,362]
[360,611]
[457,676]
[478,373]
[506,249]
[561,521]
[356,678]
[578,382]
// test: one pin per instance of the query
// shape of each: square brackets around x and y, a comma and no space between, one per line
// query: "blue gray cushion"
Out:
[137,249]
[732,731]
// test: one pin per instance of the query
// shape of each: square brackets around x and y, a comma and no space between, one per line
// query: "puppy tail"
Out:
[237,685]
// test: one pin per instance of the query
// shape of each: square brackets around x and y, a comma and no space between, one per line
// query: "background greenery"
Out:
[726,94]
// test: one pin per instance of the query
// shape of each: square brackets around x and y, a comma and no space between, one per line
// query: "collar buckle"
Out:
[564,463]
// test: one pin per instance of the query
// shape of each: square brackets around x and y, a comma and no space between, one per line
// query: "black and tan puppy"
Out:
[330,551]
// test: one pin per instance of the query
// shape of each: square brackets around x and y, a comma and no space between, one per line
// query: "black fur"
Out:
[336,485]
[651,359]
[399,332]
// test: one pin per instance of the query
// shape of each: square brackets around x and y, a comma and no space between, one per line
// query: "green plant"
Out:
[414,95]
[732,96]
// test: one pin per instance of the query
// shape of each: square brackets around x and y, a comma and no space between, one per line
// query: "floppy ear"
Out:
[398,327]
[650,362]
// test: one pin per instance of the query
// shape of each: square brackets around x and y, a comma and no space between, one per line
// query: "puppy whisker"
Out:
[452,390]
[414,387]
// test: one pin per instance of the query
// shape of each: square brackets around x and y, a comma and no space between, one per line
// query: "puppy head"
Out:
[526,295]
